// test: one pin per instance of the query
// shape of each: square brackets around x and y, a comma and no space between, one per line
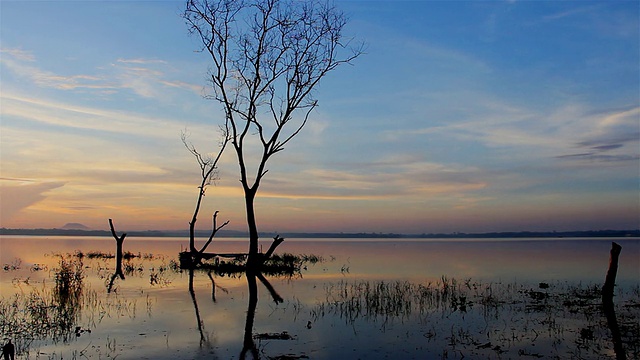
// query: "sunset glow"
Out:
[461,117]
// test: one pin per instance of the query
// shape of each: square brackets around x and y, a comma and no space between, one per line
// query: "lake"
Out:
[365,299]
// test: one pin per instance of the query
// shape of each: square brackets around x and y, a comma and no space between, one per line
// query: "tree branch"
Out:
[213,231]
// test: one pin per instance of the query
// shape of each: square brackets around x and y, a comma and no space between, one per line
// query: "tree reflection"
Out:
[112,281]
[249,347]
[203,338]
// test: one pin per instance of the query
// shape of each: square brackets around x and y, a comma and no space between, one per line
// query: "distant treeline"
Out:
[234,233]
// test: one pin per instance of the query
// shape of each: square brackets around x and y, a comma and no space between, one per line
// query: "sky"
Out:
[460,117]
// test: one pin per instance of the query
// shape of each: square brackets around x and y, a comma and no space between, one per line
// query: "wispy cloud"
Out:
[145,77]
[18,54]
[16,197]
[571,12]
[48,79]
[448,57]
[599,18]
[88,118]
[141,61]
[533,133]
[184,85]
[614,136]
[400,177]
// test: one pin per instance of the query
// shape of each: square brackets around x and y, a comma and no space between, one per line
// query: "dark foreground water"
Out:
[367,299]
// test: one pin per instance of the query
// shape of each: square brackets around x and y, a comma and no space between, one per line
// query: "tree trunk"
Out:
[119,257]
[192,235]
[253,260]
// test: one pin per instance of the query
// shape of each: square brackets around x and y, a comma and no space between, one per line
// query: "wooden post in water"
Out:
[607,302]
[610,281]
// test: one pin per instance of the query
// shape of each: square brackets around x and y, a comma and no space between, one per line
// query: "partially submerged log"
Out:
[193,259]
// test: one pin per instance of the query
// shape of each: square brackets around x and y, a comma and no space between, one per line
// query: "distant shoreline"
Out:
[238,234]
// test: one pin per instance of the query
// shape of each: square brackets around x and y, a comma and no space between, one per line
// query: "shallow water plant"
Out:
[487,319]
[45,312]
[285,264]
[68,279]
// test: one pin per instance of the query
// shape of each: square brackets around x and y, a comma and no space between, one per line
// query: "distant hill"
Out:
[74,226]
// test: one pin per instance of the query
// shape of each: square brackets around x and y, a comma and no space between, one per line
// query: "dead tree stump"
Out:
[119,241]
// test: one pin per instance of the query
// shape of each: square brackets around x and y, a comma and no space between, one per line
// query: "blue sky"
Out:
[461,116]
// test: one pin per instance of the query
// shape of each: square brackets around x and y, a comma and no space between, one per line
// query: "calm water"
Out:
[368,299]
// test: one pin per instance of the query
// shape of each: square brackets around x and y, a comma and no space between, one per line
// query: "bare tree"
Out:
[208,172]
[267,58]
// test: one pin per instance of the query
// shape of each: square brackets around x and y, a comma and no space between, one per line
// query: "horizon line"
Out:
[240,233]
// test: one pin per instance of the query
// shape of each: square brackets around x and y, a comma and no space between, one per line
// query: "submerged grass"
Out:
[460,318]
[127,255]
[58,310]
[65,307]
[45,312]
[470,318]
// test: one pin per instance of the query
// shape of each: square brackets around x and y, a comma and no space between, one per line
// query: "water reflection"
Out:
[248,345]
[113,279]
[362,313]
[249,348]
[192,292]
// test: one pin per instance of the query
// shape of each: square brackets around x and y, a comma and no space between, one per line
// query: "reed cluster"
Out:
[45,312]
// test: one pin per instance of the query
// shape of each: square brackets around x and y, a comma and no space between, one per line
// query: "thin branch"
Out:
[113,232]
[208,167]
[214,230]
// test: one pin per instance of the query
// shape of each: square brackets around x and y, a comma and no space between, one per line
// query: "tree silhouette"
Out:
[267,58]
[208,171]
